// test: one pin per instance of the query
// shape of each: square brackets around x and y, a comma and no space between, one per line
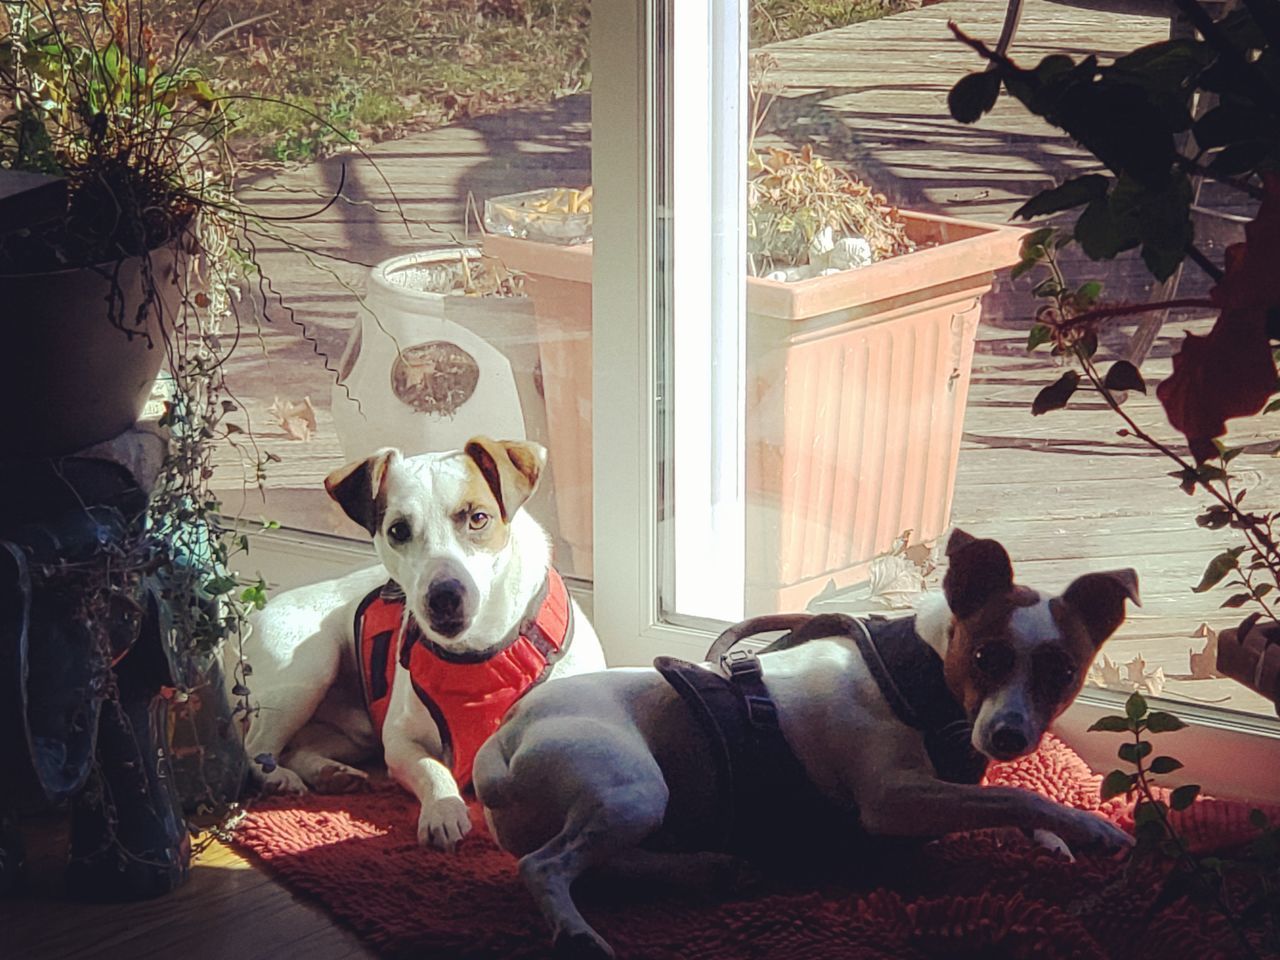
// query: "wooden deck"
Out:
[1063,491]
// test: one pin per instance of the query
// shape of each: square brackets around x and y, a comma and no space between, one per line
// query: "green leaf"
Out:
[974,95]
[1259,819]
[1135,708]
[1236,600]
[1115,783]
[1071,193]
[1184,796]
[1146,811]
[1133,752]
[1088,293]
[1033,244]
[1215,518]
[1111,724]
[1022,267]
[1187,479]
[1040,334]
[1056,395]
[1101,234]
[1123,375]
[1162,765]
[1161,722]
[1218,568]
[1048,287]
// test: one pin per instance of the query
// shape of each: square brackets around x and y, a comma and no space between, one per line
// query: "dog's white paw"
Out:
[1053,843]
[1084,830]
[581,945]
[443,822]
[282,780]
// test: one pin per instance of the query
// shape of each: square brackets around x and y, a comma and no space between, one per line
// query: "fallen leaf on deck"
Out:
[298,419]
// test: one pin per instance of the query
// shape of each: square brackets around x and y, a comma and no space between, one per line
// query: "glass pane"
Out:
[394,319]
[888,389]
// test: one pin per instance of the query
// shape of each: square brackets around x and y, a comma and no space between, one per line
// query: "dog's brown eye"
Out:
[1052,674]
[993,659]
[400,532]
[478,520]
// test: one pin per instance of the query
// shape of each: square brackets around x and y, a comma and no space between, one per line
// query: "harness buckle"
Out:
[740,663]
[744,672]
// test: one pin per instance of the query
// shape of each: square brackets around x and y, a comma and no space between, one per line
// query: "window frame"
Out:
[1229,754]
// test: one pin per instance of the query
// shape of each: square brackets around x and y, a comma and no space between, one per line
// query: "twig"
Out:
[225,31]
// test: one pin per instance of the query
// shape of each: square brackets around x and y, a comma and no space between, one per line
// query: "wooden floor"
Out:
[227,910]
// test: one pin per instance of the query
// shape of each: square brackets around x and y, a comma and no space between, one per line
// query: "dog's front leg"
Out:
[412,746]
[925,807]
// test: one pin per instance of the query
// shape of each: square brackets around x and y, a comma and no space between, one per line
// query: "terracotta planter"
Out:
[856,391]
[1250,654]
[70,377]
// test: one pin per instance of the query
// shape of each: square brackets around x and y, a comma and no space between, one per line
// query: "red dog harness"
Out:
[467,694]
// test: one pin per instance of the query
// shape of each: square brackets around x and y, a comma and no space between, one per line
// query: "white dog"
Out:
[426,652]
[850,730]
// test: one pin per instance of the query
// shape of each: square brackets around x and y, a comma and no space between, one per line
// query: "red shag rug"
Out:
[972,896]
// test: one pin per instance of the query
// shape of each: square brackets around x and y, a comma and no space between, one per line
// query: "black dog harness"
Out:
[758,775]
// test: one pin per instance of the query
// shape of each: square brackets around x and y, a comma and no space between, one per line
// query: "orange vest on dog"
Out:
[467,694]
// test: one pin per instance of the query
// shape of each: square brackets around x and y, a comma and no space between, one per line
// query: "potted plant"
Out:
[880,306]
[116,560]
[1160,120]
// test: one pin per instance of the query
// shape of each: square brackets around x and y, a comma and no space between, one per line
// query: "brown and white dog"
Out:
[606,770]
[461,592]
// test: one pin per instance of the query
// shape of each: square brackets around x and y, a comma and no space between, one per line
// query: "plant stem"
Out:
[1130,309]
[1184,856]
[1245,522]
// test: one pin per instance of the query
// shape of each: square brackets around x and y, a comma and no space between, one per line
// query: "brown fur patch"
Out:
[989,624]
[478,495]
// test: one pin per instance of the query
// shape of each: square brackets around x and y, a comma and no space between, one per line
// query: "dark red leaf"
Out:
[1056,395]
[1231,372]
[1123,375]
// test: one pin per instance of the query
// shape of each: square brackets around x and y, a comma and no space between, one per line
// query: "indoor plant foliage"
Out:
[1158,120]
[92,94]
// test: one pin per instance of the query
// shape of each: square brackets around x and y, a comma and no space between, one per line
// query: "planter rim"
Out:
[378,275]
[563,262]
[168,245]
[989,247]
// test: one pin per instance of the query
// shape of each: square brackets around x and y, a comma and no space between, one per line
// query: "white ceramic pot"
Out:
[423,371]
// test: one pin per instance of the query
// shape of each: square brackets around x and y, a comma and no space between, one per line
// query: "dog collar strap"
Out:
[910,675]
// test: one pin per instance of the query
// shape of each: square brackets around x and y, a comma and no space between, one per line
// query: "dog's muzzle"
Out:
[447,607]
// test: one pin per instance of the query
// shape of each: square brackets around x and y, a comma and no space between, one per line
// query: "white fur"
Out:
[571,781]
[306,687]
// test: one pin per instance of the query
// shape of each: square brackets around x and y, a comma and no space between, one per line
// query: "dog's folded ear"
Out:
[978,571]
[1098,600]
[360,488]
[511,468]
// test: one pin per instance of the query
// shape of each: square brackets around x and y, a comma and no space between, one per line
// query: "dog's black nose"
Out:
[446,602]
[1008,740]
